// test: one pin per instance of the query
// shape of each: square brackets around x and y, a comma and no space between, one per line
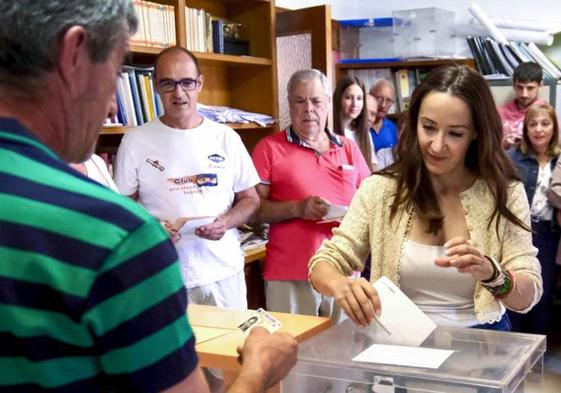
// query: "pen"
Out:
[384,328]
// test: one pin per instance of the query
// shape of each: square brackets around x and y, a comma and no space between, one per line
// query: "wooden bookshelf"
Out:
[244,82]
[427,64]
[417,67]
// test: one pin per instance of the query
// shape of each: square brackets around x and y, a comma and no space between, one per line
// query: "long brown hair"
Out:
[360,124]
[553,149]
[485,157]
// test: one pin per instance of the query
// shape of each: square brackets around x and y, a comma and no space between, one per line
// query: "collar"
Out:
[12,129]
[292,137]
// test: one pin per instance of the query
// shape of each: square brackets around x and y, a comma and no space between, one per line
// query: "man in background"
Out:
[383,131]
[526,82]
[91,298]
[305,172]
[186,167]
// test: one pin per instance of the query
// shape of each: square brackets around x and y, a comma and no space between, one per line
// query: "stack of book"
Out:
[137,100]
[494,58]
[156,24]
[198,30]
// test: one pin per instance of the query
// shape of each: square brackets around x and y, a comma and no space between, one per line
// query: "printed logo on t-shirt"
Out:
[201,180]
[156,164]
[216,158]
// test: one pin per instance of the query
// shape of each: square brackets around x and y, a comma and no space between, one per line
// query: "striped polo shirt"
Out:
[91,298]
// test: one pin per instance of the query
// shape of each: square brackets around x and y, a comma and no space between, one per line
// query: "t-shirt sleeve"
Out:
[126,177]
[136,311]
[262,159]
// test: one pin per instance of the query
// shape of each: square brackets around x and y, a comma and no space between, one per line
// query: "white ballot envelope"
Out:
[187,225]
[401,321]
[334,213]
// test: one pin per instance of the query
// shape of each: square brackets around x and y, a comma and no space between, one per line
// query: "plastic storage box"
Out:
[424,32]
[483,361]
[366,40]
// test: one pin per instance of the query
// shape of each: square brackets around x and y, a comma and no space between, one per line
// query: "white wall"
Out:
[541,10]
[526,10]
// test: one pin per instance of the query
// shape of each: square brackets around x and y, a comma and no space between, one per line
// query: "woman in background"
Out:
[456,237]
[535,159]
[95,167]
[350,116]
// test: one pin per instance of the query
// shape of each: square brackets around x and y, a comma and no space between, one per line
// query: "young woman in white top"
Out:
[350,116]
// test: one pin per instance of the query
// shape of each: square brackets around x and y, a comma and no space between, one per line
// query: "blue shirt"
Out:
[387,137]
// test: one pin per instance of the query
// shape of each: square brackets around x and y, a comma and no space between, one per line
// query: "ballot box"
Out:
[478,361]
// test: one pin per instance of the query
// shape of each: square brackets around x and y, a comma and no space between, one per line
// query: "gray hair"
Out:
[306,75]
[382,83]
[30,31]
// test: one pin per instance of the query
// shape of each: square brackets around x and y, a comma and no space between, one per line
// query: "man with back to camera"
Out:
[184,165]
[91,298]
[526,82]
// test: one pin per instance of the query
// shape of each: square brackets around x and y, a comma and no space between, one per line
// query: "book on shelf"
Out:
[156,24]
[405,84]
[198,30]
[494,58]
[218,35]
[137,101]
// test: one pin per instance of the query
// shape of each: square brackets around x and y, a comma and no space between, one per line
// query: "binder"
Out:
[218,36]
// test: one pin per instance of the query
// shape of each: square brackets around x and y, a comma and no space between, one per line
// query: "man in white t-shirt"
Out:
[183,166]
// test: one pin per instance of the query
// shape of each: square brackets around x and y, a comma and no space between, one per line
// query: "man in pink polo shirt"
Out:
[526,82]
[304,170]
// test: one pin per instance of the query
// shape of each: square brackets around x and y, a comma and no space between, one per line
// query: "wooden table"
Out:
[217,328]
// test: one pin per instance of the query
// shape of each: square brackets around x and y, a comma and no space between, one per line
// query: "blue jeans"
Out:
[502,325]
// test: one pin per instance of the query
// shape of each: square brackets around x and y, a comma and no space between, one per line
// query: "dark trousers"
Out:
[537,321]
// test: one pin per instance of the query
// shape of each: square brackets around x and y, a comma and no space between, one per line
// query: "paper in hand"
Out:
[401,321]
[261,318]
[187,225]
[334,213]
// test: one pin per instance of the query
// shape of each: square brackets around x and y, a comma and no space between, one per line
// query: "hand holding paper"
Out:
[334,213]
[401,321]
[357,298]
[313,208]
[186,226]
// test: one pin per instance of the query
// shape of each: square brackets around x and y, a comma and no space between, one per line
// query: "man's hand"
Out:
[267,358]
[214,230]
[173,233]
[313,208]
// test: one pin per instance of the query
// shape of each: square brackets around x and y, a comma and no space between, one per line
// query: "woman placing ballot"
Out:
[448,222]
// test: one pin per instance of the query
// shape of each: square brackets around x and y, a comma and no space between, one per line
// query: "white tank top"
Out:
[444,294]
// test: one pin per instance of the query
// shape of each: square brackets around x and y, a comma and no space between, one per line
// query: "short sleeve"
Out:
[126,175]
[136,312]
[262,158]
[245,175]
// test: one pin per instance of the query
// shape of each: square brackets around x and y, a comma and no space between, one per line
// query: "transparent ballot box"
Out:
[424,32]
[483,361]
[366,39]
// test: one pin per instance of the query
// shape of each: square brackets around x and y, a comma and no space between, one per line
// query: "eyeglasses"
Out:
[187,84]
[381,100]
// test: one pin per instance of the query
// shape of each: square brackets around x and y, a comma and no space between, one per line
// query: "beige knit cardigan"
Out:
[367,228]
